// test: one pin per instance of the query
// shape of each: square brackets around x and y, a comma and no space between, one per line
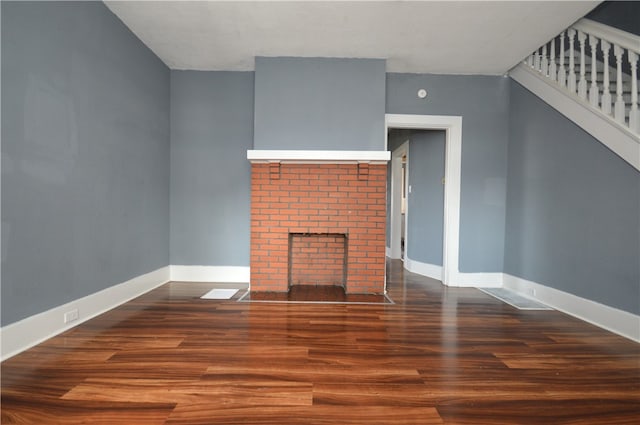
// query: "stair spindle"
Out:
[606,93]
[582,83]
[572,70]
[594,91]
[562,73]
[588,82]
[618,112]
[634,113]
[553,73]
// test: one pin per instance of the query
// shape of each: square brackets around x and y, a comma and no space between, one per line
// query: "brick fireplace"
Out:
[318,218]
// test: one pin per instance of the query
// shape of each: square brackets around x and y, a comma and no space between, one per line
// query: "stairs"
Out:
[600,80]
[589,73]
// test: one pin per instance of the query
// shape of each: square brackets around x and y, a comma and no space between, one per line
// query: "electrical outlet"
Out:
[70,316]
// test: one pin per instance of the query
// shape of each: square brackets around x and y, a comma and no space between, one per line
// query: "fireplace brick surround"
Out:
[325,200]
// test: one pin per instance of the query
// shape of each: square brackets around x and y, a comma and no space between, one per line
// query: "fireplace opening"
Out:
[294,205]
[317,259]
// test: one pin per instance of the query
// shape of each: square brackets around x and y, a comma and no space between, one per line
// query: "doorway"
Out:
[398,195]
[453,161]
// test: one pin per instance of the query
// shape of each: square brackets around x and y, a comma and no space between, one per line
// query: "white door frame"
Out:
[396,201]
[453,165]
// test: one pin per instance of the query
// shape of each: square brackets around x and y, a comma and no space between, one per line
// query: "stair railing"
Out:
[595,87]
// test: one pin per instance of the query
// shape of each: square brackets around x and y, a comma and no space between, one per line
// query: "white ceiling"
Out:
[451,37]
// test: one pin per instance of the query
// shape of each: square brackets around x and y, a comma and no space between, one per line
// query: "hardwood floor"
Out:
[438,356]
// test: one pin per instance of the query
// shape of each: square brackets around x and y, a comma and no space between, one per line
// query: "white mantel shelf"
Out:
[318,157]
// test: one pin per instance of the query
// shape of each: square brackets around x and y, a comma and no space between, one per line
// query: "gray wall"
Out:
[620,14]
[319,104]
[87,200]
[425,220]
[573,208]
[396,137]
[483,103]
[85,155]
[211,131]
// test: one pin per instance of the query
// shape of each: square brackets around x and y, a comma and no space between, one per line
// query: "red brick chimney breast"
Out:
[339,207]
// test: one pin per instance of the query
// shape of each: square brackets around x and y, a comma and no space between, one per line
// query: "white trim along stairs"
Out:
[572,73]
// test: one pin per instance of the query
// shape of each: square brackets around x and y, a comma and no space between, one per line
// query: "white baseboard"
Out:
[476,280]
[35,329]
[612,319]
[425,269]
[230,274]
[463,280]
[32,330]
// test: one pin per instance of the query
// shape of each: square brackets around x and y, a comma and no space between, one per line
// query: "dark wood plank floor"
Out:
[438,356]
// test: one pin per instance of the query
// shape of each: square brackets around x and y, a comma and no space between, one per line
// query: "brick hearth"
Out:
[290,200]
